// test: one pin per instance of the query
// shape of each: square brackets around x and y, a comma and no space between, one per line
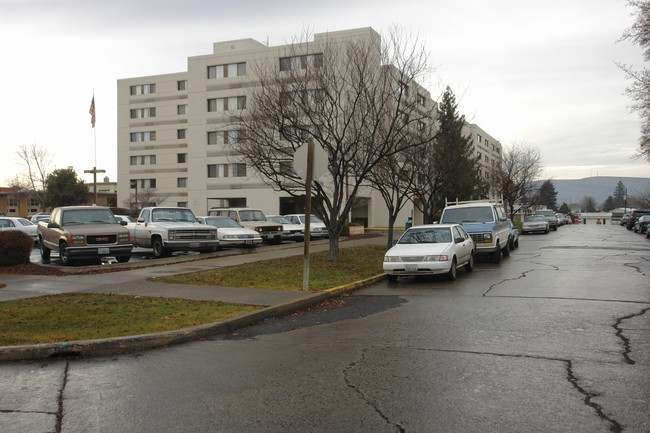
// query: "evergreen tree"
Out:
[64,188]
[588,204]
[455,162]
[565,209]
[619,195]
[548,195]
[609,204]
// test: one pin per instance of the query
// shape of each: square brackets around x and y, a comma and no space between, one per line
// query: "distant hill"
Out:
[599,187]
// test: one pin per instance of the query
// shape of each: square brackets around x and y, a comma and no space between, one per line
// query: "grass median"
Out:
[355,264]
[88,316]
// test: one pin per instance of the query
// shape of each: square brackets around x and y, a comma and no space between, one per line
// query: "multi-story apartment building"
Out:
[174,132]
[487,148]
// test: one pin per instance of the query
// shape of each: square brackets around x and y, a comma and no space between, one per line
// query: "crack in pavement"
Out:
[637,268]
[59,413]
[626,341]
[571,377]
[27,411]
[364,397]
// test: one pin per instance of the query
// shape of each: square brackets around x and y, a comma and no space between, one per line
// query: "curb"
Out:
[118,345]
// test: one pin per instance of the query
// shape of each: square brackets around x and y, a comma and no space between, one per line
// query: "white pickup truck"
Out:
[167,229]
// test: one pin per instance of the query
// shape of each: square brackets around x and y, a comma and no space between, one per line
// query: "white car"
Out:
[230,233]
[127,218]
[292,231]
[21,224]
[535,223]
[317,228]
[430,249]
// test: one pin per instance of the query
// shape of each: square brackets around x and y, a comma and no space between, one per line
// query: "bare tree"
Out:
[395,179]
[639,89]
[513,179]
[355,97]
[145,197]
[37,161]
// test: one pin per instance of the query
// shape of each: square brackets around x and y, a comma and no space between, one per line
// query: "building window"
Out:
[143,89]
[143,160]
[285,167]
[181,134]
[181,109]
[227,104]
[181,182]
[181,85]
[226,170]
[143,136]
[421,99]
[140,113]
[12,201]
[479,138]
[225,137]
[225,71]
[181,158]
[142,183]
[181,204]
[295,63]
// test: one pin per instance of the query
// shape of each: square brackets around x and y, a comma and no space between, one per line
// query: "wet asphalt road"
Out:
[554,339]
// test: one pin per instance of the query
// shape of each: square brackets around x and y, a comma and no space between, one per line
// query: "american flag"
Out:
[92,111]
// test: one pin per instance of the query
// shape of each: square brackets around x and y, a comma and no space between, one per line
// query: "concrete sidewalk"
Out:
[135,282]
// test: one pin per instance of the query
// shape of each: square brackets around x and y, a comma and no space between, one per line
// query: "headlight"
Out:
[391,259]
[229,236]
[487,237]
[171,235]
[213,234]
[436,258]
[123,237]
[77,239]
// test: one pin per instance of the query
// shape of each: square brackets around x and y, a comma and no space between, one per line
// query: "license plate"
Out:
[271,236]
[411,268]
[103,250]
[194,244]
[248,242]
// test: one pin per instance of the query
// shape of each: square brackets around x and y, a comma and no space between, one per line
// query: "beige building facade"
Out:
[174,132]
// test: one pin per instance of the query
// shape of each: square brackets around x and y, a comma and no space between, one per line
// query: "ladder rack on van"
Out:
[454,203]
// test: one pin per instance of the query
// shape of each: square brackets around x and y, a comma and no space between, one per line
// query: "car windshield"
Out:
[222,222]
[25,222]
[545,213]
[251,215]
[279,219]
[535,218]
[482,214]
[315,219]
[88,216]
[173,214]
[426,236]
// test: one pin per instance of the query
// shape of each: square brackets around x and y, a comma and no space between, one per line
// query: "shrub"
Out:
[15,247]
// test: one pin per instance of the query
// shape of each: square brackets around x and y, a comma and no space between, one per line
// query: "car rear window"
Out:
[482,214]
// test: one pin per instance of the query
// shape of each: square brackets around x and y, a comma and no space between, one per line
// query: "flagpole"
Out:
[94,171]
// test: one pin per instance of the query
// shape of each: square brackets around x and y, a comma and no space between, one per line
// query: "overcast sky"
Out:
[540,72]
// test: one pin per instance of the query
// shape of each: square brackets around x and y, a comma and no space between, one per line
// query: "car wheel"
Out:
[391,277]
[517,243]
[546,232]
[451,275]
[159,250]
[45,251]
[469,266]
[496,255]
[63,254]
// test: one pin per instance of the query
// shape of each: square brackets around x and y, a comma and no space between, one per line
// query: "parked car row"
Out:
[466,229]
[637,220]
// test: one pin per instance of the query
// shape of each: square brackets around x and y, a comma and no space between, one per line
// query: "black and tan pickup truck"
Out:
[84,232]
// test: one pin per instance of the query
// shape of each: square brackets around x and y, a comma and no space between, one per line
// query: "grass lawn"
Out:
[87,316]
[355,264]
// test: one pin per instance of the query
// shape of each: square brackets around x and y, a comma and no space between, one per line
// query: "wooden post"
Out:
[310,174]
